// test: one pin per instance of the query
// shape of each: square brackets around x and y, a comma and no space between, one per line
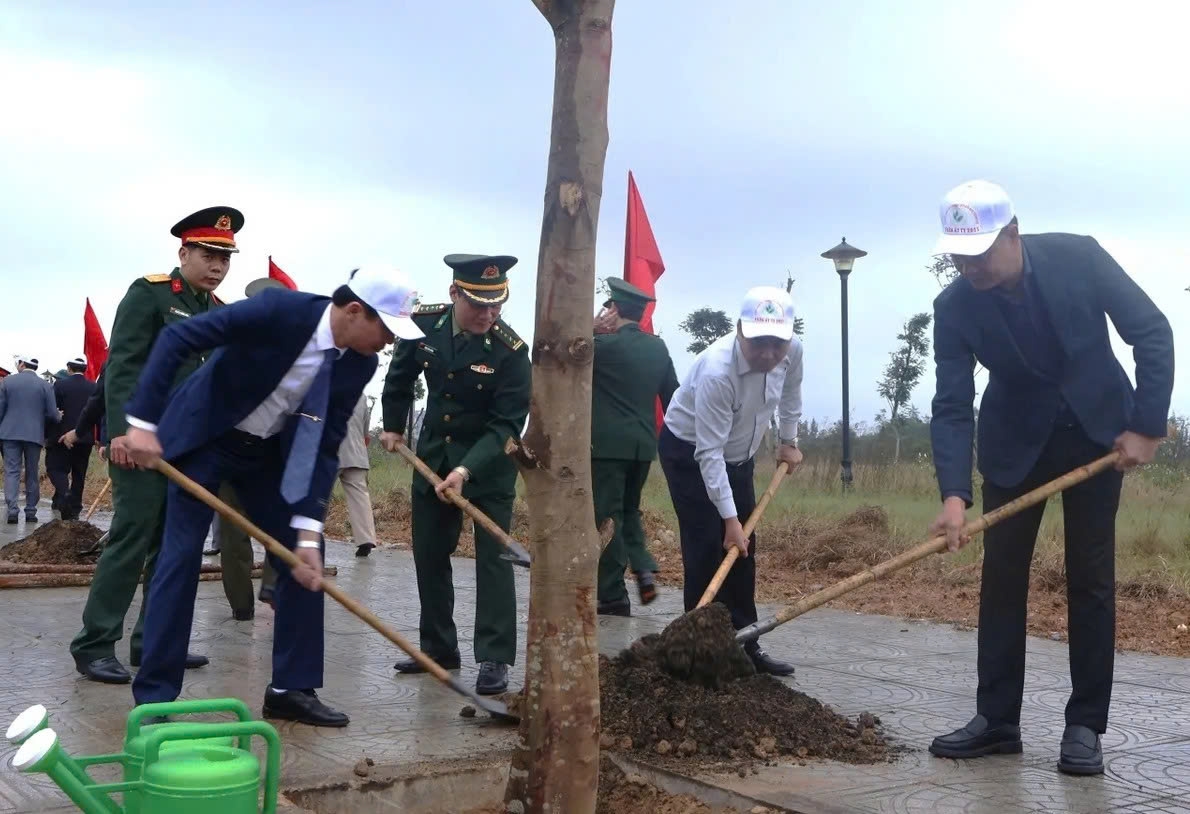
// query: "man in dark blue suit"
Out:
[266,413]
[1033,310]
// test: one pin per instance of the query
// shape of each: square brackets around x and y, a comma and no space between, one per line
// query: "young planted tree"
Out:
[555,767]
[905,367]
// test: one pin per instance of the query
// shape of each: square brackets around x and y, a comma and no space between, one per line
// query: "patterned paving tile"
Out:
[919,678]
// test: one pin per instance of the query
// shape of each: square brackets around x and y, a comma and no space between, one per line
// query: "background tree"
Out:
[705,325]
[555,767]
[905,367]
[943,270]
[799,325]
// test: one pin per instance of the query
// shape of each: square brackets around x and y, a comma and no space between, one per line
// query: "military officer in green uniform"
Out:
[631,370]
[152,302]
[478,379]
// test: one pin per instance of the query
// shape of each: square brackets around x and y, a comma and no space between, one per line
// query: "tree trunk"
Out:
[897,448]
[556,764]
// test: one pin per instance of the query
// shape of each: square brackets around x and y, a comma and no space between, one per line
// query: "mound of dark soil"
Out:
[58,542]
[687,694]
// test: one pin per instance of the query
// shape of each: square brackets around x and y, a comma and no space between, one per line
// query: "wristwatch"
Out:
[464,471]
[789,442]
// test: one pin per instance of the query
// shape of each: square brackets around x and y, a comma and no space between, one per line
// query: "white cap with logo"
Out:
[972,216]
[390,293]
[767,311]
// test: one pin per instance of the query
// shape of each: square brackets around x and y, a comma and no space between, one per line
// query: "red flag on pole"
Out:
[275,273]
[643,265]
[94,343]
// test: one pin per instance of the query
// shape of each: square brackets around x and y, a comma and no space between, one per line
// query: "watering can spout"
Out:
[42,753]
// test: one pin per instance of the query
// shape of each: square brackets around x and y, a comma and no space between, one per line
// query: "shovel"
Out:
[98,497]
[516,553]
[495,708]
[935,545]
[733,553]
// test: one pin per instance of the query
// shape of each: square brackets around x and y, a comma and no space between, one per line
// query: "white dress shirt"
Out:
[270,415]
[723,408]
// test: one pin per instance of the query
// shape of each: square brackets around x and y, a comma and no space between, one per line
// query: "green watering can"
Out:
[169,768]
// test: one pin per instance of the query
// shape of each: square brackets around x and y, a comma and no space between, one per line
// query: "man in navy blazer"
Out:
[1033,310]
[266,413]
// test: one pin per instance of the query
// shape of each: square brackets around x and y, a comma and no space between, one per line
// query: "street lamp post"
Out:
[843,256]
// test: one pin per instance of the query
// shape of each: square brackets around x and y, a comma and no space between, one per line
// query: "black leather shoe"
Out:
[302,706]
[211,551]
[646,587]
[493,678]
[620,607]
[107,670]
[364,549]
[1081,752]
[764,663]
[244,614]
[977,739]
[192,660]
[12,519]
[30,518]
[410,667]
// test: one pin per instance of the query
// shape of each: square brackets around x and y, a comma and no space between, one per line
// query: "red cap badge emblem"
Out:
[490,273]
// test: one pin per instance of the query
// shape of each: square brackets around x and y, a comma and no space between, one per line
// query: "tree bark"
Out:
[556,764]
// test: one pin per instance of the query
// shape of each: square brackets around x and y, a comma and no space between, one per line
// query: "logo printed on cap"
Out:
[957,217]
[769,311]
[490,273]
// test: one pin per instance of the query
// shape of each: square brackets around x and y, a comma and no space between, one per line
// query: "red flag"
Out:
[275,273]
[94,343]
[643,265]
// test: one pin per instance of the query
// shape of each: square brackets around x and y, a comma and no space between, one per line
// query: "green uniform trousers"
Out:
[235,554]
[134,540]
[436,528]
[616,486]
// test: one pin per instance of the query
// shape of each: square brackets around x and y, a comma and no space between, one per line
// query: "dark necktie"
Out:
[311,417]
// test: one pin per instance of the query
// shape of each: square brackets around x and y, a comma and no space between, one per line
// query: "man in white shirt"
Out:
[267,413]
[713,427]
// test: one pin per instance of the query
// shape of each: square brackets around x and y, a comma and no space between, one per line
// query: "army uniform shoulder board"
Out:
[158,278]
[507,335]
[431,310]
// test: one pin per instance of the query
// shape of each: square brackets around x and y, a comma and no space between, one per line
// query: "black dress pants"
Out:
[701,530]
[1089,516]
[67,470]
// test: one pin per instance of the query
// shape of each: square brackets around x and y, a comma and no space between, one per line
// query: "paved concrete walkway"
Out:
[918,678]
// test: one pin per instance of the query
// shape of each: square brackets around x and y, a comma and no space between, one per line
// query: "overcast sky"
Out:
[759,133]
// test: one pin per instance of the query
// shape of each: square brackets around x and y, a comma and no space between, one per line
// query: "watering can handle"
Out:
[195,707]
[199,731]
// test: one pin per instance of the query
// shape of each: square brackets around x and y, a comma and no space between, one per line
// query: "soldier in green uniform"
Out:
[478,378]
[631,370]
[151,303]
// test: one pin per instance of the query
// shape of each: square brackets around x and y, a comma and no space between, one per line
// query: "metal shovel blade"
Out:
[97,545]
[497,709]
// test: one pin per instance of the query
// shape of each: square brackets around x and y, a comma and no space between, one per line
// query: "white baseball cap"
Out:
[391,294]
[767,311]
[25,359]
[972,215]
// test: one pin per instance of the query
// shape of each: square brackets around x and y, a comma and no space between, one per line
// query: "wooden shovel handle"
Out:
[98,497]
[290,559]
[938,544]
[464,504]
[734,553]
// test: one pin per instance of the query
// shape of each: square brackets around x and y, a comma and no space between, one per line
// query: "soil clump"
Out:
[691,695]
[59,542]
